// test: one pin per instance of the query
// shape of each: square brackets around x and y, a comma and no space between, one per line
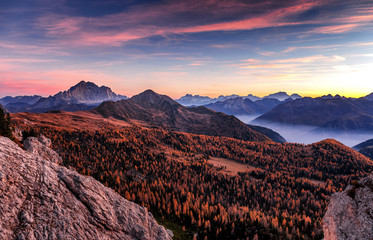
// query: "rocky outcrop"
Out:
[41,200]
[350,213]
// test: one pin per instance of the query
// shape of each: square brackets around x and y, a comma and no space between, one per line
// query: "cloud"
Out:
[116,29]
[336,29]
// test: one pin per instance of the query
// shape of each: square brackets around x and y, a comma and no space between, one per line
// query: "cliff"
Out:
[41,200]
[350,213]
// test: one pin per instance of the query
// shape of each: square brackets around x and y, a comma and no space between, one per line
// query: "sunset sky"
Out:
[212,47]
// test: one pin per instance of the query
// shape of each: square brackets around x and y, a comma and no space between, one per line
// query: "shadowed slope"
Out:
[157,110]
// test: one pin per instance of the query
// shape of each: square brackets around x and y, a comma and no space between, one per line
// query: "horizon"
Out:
[176,98]
[208,48]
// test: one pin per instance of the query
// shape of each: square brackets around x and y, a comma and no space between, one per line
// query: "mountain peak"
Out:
[282,96]
[87,93]
[151,98]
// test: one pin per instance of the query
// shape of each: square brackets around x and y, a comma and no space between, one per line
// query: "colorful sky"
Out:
[206,47]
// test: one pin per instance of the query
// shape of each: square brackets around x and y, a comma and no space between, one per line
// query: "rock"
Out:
[41,200]
[350,213]
[40,147]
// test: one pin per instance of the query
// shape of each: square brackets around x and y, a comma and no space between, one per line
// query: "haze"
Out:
[308,134]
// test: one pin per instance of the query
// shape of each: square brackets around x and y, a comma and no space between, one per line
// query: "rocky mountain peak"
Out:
[350,213]
[87,93]
[42,200]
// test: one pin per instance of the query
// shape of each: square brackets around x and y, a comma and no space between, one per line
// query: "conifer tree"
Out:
[5,125]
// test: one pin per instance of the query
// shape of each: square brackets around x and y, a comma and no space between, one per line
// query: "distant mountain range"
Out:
[197,100]
[241,106]
[282,96]
[83,96]
[157,110]
[327,113]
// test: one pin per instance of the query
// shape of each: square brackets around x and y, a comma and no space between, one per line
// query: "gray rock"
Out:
[41,200]
[40,147]
[350,213]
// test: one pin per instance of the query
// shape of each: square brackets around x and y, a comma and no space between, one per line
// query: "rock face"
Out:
[42,200]
[83,96]
[350,213]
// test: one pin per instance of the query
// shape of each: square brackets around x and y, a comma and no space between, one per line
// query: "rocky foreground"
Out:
[350,213]
[41,200]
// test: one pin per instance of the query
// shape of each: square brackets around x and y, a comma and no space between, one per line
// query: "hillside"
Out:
[326,113]
[245,181]
[154,110]
[42,200]
[274,136]
[364,144]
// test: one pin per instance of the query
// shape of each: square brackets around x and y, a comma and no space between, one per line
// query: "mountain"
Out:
[157,110]
[252,97]
[88,93]
[42,200]
[194,100]
[274,136]
[281,96]
[14,104]
[241,106]
[197,100]
[295,96]
[365,148]
[325,113]
[83,96]
[367,151]
[20,99]
[369,97]
[349,213]
[364,144]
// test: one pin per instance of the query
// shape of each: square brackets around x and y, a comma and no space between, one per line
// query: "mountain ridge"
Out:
[82,96]
[326,113]
[162,111]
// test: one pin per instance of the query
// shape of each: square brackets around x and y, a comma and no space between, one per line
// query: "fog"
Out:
[308,134]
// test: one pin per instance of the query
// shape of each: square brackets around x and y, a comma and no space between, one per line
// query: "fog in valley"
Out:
[308,134]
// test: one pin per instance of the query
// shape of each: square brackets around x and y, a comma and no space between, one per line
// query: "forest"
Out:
[283,194]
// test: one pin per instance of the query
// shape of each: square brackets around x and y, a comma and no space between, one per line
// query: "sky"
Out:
[205,47]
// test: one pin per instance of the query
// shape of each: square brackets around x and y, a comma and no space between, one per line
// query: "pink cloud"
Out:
[141,23]
[290,63]
[17,81]
[335,29]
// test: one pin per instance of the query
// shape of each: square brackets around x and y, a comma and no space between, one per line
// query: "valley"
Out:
[203,173]
[211,186]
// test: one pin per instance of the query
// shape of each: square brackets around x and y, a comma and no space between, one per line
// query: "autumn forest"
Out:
[282,194]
